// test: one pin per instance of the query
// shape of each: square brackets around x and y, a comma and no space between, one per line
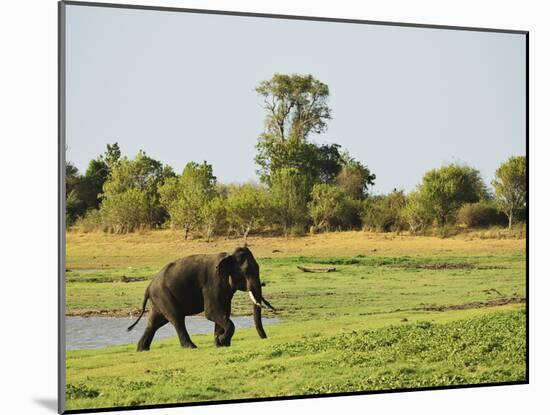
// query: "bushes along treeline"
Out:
[303,185]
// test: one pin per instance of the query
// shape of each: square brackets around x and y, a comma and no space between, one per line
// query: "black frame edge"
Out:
[527,207]
[61,375]
[289,398]
[290,17]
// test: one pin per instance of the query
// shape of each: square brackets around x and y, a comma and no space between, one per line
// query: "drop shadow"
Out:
[48,403]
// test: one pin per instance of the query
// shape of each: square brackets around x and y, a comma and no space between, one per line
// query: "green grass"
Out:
[415,312]
[303,358]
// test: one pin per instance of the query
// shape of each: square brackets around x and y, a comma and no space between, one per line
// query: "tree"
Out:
[289,195]
[97,174]
[327,206]
[446,189]
[184,197]
[74,205]
[510,186]
[296,106]
[319,162]
[247,207]
[328,163]
[112,155]
[354,178]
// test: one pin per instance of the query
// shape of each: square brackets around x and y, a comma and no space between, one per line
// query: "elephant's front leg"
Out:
[218,331]
[224,328]
[218,310]
[228,330]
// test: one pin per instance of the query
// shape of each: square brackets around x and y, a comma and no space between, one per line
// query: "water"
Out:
[96,332]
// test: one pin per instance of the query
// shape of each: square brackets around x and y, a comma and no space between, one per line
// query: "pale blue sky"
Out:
[181,87]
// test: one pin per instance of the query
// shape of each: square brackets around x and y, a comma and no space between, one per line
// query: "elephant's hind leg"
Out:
[183,335]
[171,309]
[156,320]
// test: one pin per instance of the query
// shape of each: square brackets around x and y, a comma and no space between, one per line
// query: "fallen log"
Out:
[304,269]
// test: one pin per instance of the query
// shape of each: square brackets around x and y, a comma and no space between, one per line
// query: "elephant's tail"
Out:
[145,298]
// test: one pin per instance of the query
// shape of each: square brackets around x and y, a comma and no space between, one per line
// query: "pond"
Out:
[96,332]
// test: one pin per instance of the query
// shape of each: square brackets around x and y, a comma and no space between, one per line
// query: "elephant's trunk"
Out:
[258,321]
[255,294]
[268,305]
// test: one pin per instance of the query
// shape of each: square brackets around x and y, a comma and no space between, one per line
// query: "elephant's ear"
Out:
[225,266]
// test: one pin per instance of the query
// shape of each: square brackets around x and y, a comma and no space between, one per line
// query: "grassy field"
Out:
[399,312]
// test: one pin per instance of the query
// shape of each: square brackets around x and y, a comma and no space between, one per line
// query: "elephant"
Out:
[198,283]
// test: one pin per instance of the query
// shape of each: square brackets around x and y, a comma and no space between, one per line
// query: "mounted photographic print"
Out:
[258,207]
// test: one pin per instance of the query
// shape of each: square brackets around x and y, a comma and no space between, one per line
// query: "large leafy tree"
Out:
[296,106]
[446,189]
[510,186]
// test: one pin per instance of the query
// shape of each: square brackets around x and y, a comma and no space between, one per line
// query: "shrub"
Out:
[214,216]
[482,213]
[290,192]
[126,212]
[91,221]
[297,230]
[327,206]
[248,208]
[416,213]
[384,213]
[185,196]
[446,189]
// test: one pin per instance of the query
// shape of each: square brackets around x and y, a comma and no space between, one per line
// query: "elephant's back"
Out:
[185,278]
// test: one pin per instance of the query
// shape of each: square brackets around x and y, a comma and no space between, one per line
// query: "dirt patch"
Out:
[124,278]
[449,265]
[475,304]
[134,312]
[92,279]
[89,312]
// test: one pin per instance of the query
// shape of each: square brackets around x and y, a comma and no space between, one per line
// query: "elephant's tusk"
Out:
[254,300]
